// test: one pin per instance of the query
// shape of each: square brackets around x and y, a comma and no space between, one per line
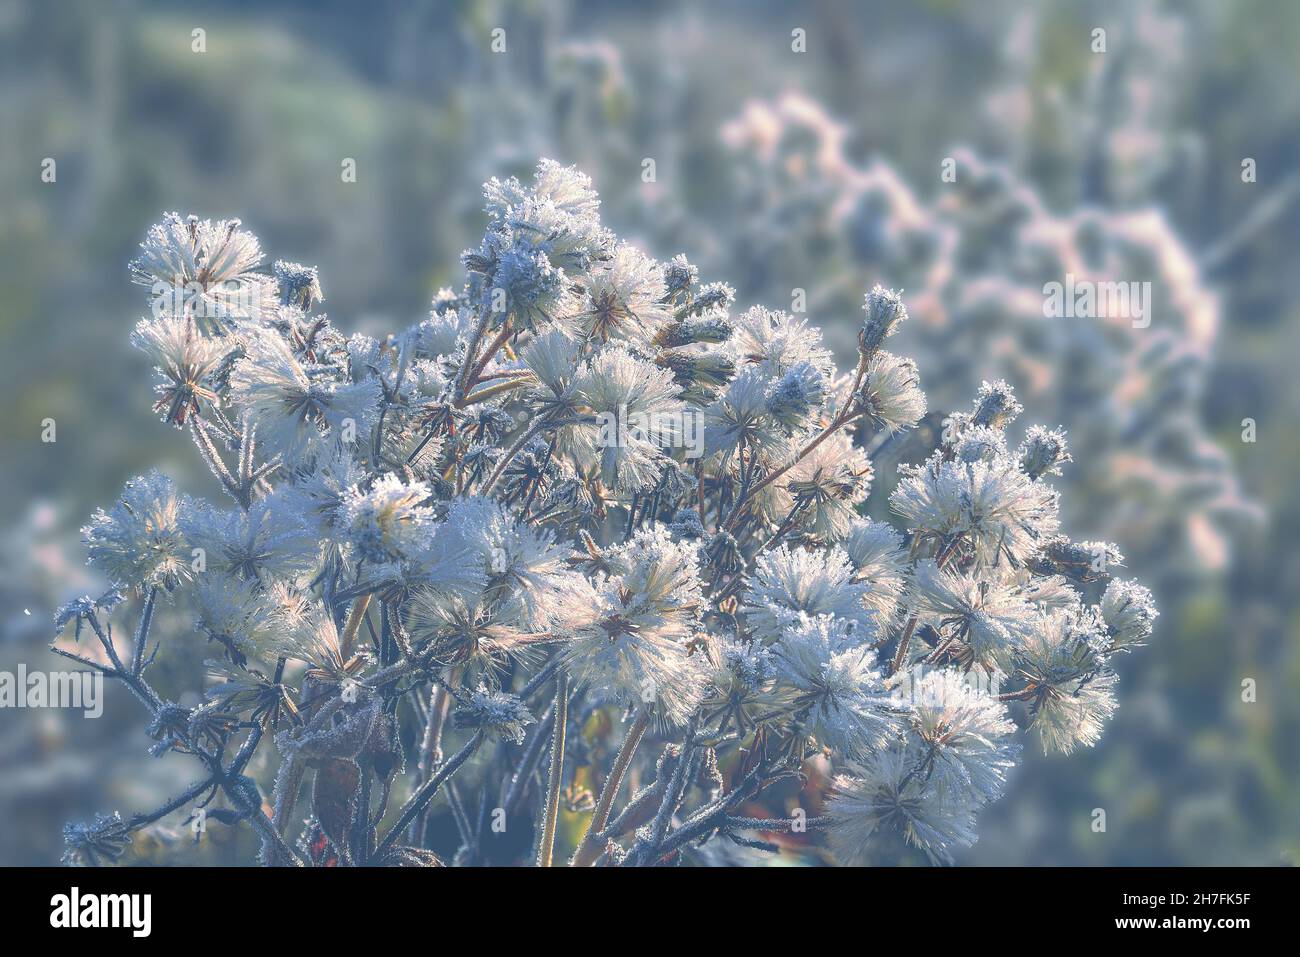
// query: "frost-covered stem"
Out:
[431,744]
[271,838]
[638,810]
[492,391]
[711,816]
[246,751]
[945,553]
[353,626]
[488,353]
[139,687]
[144,819]
[510,453]
[937,655]
[539,679]
[208,452]
[142,632]
[841,420]
[284,793]
[106,640]
[462,377]
[901,654]
[1024,694]
[528,763]
[431,747]
[546,850]
[781,824]
[672,795]
[588,850]
[383,407]
[425,794]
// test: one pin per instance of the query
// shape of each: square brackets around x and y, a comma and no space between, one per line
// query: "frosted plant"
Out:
[489,542]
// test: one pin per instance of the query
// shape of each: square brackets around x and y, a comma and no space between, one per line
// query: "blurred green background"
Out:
[774,170]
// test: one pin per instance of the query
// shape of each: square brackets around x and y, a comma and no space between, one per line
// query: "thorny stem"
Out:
[546,851]
[588,849]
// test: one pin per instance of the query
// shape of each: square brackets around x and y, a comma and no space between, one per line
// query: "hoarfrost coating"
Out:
[436,556]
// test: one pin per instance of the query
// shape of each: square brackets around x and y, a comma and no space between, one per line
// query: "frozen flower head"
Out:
[387,522]
[887,793]
[789,584]
[890,392]
[996,405]
[1070,690]
[467,630]
[234,613]
[299,285]
[526,285]
[742,689]
[1081,561]
[184,359]
[637,411]
[566,188]
[1043,451]
[266,542]
[823,489]
[493,712]
[315,488]
[95,842]
[964,734]
[79,610]
[992,508]
[877,553]
[521,567]
[634,645]
[139,542]
[313,638]
[624,300]
[979,443]
[797,396]
[981,620]
[202,268]
[294,406]
[839,693]
[741,417]
[679,275]
[553,358]
[1130,613]
[776,342]
[885,311]
[537,237]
